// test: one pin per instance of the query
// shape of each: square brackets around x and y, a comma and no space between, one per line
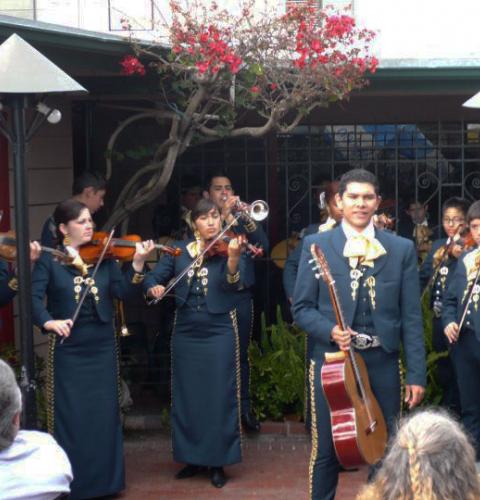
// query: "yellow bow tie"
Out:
[78,263]
[471,263]
[360,249]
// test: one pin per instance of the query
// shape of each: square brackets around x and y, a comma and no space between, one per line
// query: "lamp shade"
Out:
[24,70]
[473,102]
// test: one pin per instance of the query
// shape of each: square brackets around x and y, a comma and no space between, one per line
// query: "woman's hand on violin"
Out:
[61,327]
[35,250]
[451,332]
[142,250]
[234,249]
[156,292]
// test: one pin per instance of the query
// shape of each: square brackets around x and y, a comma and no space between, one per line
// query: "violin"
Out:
[8,249]
[384,221]
[220,247]
[122,249]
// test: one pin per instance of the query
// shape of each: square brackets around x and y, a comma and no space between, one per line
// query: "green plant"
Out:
[11,355]
[278,370]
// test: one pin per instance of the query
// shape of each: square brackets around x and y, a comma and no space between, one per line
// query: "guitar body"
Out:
[356,442]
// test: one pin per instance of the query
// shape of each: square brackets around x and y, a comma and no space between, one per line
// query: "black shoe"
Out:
[188,471]
[217,477]
[250,423]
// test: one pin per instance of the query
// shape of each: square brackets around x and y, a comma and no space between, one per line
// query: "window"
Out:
[140,14]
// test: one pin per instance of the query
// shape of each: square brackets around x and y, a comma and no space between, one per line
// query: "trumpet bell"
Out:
[258,210]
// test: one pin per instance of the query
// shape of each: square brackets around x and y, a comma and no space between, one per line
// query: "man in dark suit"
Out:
[377,281]
[219,189]
[89,188]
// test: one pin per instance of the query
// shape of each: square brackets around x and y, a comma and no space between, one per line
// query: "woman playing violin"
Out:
[205,363]
[83,408]
[461,319]
[436,272]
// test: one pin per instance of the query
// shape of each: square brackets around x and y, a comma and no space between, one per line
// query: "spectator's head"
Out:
[358,197]
[10,406]
[430,458]
[90,188]
[218,189]
[454,213]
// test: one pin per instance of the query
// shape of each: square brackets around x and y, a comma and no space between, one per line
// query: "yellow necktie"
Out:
[360,249]
[78,263]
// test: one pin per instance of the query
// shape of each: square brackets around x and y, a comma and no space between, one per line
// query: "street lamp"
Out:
[26,77]
[473,102]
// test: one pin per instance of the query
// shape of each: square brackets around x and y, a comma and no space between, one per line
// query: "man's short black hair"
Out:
[211,177]
[358,175]
[456,202]
[413,201]
[94,180]
[473,211]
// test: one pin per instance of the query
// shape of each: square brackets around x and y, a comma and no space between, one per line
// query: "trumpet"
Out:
[257,210]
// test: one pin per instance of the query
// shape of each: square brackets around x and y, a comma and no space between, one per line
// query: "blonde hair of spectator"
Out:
[430,458]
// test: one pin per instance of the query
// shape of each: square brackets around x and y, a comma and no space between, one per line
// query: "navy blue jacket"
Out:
[221,296]
[256,237]
[397,316]
[453,306]
[55,281]
[426,271]
[6,292]
[291,264]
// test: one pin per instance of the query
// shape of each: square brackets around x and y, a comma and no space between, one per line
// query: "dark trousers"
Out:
[245,324]
[466,359]
[445,370]
[384,375]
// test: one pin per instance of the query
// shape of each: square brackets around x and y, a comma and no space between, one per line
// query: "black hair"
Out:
[411,201]
[211,177]
[455,202]
[88,179]
[202,207]
[65,212]
[473,211]
[357,175]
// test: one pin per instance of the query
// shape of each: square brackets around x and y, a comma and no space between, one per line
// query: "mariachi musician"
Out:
[220,191]
[8,278]
[377,280]
[83,412]
[461,319]
[436,273]
[206,429]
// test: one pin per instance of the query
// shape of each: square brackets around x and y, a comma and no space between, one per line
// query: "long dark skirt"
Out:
[84,414]
[205,389]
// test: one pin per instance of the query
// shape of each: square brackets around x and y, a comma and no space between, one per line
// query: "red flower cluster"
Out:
[207,47]
[339,26]
[131,65]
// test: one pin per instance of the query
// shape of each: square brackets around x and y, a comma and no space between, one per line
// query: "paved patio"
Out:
[275,466]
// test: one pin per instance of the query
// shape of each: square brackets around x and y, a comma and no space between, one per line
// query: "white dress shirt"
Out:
[34,467]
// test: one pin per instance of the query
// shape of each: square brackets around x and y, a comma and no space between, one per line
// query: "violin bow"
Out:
[470,295]
[92,278]
[193,263]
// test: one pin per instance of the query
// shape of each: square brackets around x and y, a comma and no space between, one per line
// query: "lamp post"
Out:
[26,75]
